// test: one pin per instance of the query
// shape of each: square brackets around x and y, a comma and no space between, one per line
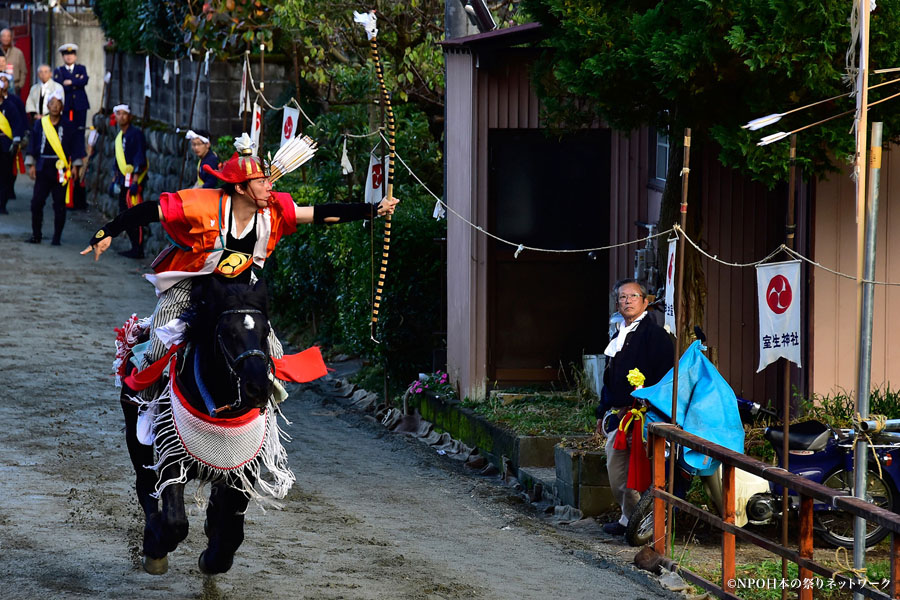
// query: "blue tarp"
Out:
[707,406]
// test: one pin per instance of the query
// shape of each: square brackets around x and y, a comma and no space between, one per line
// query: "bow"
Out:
[369,22]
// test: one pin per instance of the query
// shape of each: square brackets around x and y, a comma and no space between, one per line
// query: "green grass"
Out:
[838,409]
[539,414]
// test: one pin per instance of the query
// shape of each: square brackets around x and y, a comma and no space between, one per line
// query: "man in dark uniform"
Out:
[74,79]
[12,128]
[53,159]
[200,145]
[131,168]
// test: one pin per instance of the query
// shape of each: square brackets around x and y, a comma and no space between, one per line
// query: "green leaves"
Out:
[712,66]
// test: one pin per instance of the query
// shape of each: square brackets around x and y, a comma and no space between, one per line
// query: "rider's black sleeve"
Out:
[140,215]
[356,211]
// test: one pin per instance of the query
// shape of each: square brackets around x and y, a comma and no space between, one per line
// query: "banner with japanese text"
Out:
[670,288]
[778,294]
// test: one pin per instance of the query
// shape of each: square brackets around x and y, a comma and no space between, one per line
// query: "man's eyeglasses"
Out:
[626,297]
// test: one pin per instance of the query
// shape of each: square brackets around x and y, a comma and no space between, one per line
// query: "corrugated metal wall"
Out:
[835,337]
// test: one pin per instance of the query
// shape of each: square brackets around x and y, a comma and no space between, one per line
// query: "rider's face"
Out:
[258,190]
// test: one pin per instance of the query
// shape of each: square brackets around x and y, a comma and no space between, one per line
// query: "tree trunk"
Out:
[693,298]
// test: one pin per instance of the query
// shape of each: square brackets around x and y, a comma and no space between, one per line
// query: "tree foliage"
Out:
[713,66]
[143,26]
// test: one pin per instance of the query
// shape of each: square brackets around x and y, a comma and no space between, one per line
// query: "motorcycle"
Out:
[817,452]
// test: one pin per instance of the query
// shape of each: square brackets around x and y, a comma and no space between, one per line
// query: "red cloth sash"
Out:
[140,380]
[301,368]
[638,462]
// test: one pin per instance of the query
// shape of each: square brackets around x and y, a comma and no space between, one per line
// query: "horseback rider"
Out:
[225,233]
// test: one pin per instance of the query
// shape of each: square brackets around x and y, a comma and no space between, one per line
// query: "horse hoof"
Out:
[155,566]
[201,563]
[207,569]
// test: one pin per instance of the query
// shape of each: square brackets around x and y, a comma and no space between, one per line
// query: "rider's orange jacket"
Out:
[196,222]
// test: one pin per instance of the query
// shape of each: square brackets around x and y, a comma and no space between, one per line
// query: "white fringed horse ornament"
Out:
[215,421]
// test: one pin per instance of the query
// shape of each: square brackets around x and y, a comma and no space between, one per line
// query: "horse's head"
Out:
[233,330]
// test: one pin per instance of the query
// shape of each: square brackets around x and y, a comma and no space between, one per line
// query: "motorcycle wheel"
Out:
[640,526]
[836,527]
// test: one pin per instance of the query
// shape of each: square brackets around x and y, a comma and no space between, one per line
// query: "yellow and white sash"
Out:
[63,167]
[5,128]
[124,168]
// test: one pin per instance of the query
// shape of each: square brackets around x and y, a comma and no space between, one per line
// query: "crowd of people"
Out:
[47,138]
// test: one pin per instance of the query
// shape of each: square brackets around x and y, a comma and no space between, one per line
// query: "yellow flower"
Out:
[636,378]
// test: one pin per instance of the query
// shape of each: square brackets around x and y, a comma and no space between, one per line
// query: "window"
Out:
[662,156]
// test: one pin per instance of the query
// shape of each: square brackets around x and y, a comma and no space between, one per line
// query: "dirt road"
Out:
[372,515]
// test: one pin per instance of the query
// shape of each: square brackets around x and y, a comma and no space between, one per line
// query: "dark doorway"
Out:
[546,309]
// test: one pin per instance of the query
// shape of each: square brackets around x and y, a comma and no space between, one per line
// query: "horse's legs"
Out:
[224,527]
[145,483]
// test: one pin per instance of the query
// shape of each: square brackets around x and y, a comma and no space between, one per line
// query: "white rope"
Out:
[780,248]
[715,258]
[365,135]
[519,247]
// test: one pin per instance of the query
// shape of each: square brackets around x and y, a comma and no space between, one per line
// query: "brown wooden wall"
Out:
[629,198]
[742,223]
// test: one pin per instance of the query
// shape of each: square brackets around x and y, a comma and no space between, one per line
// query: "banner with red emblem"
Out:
[778,294]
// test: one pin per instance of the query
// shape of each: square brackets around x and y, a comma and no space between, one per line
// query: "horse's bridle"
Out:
[233,362]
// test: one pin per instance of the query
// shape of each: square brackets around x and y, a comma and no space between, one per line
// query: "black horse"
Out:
[223,373]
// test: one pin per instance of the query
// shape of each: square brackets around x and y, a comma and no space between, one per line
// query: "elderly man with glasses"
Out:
[639,343]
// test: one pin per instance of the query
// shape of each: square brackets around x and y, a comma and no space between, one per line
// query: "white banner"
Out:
[289,124]
[375,184]
[670,288]
[778,295]
[255,126]
[148,88]
[243,105]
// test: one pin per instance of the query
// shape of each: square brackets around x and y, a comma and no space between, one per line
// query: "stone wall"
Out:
[216,108]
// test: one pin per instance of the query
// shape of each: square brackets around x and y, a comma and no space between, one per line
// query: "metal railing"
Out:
[808,491]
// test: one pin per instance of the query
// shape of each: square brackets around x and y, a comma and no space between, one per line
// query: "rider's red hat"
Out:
[238,169]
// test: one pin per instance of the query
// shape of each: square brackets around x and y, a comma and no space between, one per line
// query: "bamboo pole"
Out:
[262,90]
[862,109]
[680,322]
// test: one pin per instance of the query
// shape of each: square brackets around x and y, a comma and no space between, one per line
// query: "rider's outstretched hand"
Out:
[98,248]
[387,206]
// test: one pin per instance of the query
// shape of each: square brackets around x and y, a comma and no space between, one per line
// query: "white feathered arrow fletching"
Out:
[291,156]
[763,122]
[773,138]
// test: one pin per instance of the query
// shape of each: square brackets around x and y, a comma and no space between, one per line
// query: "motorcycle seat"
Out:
[809,435]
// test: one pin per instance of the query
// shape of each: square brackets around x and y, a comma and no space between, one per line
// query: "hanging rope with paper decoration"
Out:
[370,24]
